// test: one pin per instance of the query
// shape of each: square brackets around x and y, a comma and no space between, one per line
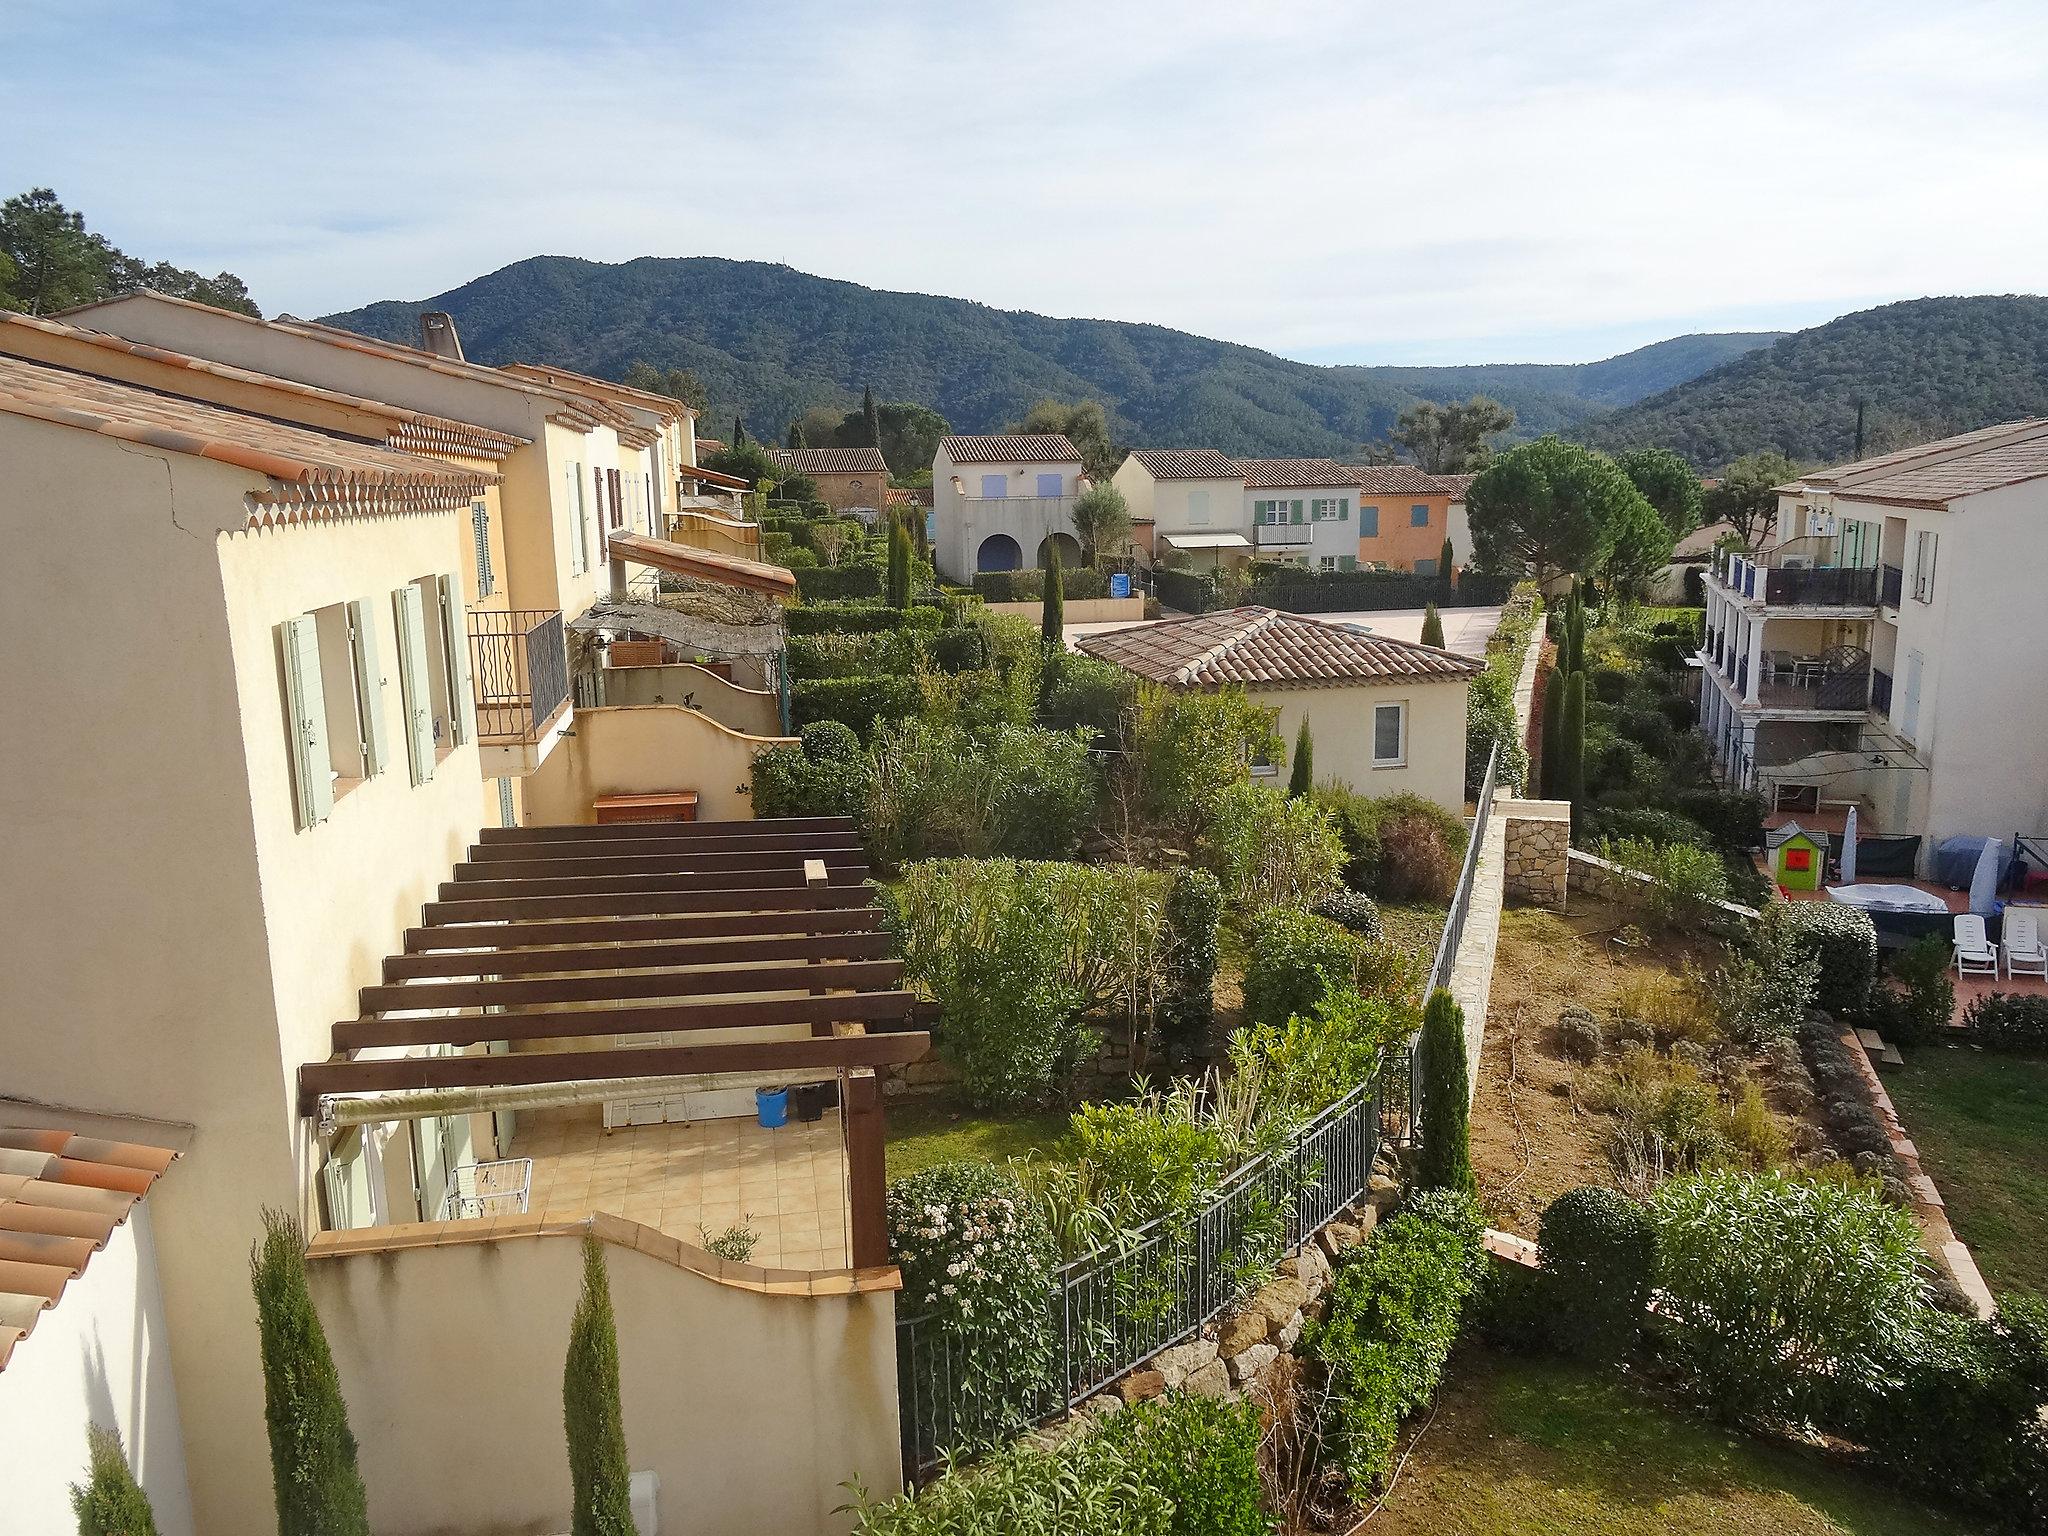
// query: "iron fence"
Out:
[519,666]
[1112,1310]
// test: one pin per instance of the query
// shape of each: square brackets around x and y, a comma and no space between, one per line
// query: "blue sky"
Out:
[1487,181]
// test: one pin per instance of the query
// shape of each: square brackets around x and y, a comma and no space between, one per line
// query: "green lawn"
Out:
[942,1129]
[1521,1447]
[1981,1124]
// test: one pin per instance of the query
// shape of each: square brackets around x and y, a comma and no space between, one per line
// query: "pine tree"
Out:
[600,1476]
[1432,627]
[312,1454]
[1446,1156]
[796,436]
[110,1502]
[1052,620]
[899,564]
[1301,778]
[870,419]
[1447,565]
[1571,745]
[1553,730]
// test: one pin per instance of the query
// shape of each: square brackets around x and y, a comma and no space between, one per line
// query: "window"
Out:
[1909,697]
[433,671]
[1330,509]
[1368,522]
[1054,484]
[1389,735]
[1418,516]
[1198,505]
[334,702]
[353,1178]
[994,487]
[1347,562]
[1326,562]
[1923,567]
[480,532]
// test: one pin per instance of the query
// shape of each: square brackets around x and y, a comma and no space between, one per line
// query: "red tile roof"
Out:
[315,476]
[1036,448]
[1188,464]
[63,1190]
[831,461]
[1260,647]
[1289,474]
[1394,480]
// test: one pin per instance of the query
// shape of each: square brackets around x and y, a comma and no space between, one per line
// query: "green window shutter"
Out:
[412,681]
[1344,510]
[306,703]
[369,665]
[455,639]
[1295,510]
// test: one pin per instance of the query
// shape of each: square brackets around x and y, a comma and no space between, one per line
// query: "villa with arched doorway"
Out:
[1003,503]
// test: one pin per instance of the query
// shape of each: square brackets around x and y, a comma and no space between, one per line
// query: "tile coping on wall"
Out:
[617,1231]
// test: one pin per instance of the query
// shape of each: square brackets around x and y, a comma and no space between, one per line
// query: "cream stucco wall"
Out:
[1340,721]
[751,1409]
[1170,503]
[751,711]
[965,518]
[644,750]
[100,1357]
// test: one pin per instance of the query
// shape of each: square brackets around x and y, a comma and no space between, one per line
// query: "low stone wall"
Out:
[1539,837]
[1607,880]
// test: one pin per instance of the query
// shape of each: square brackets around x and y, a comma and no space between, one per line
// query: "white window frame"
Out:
[1400,759]
[1926,545]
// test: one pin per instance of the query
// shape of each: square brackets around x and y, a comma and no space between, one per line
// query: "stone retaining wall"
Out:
[1539,836]
[1600,877]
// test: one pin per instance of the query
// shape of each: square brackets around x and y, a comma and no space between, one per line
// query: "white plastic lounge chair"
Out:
[2024,951]
[1975,955]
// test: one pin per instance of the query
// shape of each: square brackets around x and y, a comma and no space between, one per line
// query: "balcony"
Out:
[1847,690]
[1790,576]
[1275,535]
[519,668]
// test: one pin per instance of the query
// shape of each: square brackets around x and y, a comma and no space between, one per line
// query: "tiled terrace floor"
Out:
[788,1184]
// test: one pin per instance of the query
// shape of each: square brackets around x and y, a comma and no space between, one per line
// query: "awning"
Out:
[706,637]
[712,477]
[1207,540]
[682,560]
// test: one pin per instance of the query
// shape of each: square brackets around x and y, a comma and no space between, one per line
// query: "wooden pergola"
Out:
[578,935]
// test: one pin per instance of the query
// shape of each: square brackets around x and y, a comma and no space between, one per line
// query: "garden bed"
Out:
[1524,1445]
[1980,1123]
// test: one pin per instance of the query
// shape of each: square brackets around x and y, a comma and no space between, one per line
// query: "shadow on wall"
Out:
[646,750]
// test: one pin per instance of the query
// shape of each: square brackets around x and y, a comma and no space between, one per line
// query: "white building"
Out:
[1194,500]
[997,502]
[1303,511]
[1887,652]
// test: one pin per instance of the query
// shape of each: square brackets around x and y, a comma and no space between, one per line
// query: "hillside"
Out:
[768,341]
[1924,368]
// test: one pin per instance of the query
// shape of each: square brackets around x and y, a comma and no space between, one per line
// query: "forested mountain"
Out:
[767,341]
[1923,369]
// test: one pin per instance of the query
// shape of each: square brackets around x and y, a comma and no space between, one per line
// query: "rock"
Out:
[1290,1336]
[1176,1365]
[1341,1235]
[1139,1385]
[1239,1333]
[1309,1266]
[1279,1300]
[1382,1192]
[1367,1220]
[1246,1366]
[1103,1404]
[1212,1380]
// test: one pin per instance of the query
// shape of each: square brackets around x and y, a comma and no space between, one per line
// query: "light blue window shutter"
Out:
[455,640]
[1418,515]
[994,487]
[306,704]
[1368,522]
[412,681]
[1051,485]
[362,638]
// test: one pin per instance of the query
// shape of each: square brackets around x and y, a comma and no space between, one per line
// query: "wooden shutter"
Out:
[369,668]
[575,510]
[412,681]
[455,643]
[480,530]
[306,705]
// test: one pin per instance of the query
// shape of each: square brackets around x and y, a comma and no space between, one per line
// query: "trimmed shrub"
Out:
[1186,1007]
[895,652]
[1844,943]
[1646,824]
[1445,1158]
[2008,1021]
[1089,693]
[1394,1312]
[858,618]
[1293,959]
[1294,590]
[600,1476]
[109,1502]
[1599,1255]
[960,650]
[825,774]
[1189,591]
[1920,998]
[857,702]
[823,583]
[1734,820]
[1077,583]
[1579,1036]
[1354,913]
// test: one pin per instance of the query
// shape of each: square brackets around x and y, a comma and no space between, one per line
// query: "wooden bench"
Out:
[671,805]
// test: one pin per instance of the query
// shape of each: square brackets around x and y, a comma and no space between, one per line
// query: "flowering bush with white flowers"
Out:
[977,1258]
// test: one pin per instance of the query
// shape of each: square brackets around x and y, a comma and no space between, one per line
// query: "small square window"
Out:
[1418,516]
[1389,735]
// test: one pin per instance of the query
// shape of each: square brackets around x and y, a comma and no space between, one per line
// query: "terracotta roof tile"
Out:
[1188,464]
[1273,474]
[1036,448]
[831,461]
[316,476]
[1857,473]
[1393,480]
[62,1192]
[2009,461]
[1260,647]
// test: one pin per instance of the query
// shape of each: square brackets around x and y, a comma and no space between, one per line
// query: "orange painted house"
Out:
[1404,516]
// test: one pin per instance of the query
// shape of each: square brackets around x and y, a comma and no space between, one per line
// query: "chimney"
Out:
[437,335]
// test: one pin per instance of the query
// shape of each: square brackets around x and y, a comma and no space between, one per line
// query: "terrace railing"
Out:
[1891,585]
[1880,691]
[519,667]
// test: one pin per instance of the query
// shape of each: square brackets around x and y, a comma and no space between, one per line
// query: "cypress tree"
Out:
[599,1475]
[739,431]
[110,1502]
[1553,730]
[1052,619]
[796,436]
[1302,777]
[1446,565]
[899,564]
[1446,1156]
[1571,745]
[312,1454]
[870,419]
[1432,627]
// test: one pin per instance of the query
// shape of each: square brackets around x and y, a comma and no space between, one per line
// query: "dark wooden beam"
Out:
[647,904]
[851,976]
[795,1057]
[880,1011]
[624,885]
[617,957]
[763,827]
[583,848]
[710,925]
[866,1169]
[841,857]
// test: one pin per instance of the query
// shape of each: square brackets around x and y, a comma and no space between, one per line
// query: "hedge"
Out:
[1297,591]
[1189,591]
[2009,1021]
[1599,1255]
[1843,939]
[819,583]
[848,618]
[855,701]
[1078,583]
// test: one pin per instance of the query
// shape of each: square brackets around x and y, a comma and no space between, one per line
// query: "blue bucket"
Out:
[771,1106]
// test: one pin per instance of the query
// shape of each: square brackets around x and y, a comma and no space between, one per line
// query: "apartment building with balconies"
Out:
[1000,503]
[1884,652]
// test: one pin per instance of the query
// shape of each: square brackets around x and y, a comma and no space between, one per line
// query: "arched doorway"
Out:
[1070,550]
[998,552]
